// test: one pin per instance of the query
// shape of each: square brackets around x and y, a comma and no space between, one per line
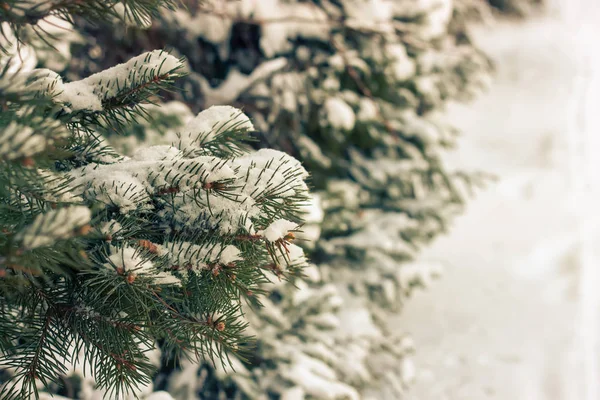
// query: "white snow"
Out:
[208,124]
[165,278]
[237,83]
[284,88]
[292,256]
[356,321]
[381,234]
[193,198]
[60,33]
[80,96]
[18,57]
[283,21]
[159,396]
[125,14]
[367,110]
[409,374]
[318,380]
[80,366]
[18,141]
[295,393]
[436,21]
[418,273]
[370,14]
[129,183]
[198,257]
[313,211]
[513,317]
[111,227]
[131,260]
[437,14]
[57,188]
[313,214]
[230,254]
[44,80]
[214,25]
[158,153]
[278,229]
[39,7]
[402,67]
[280,22]
[312,273]
[54,225]
[112,185]
[422,129]
[88,93]
[339,114]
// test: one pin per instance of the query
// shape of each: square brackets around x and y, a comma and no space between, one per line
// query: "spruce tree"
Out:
[354,90]
[105,257]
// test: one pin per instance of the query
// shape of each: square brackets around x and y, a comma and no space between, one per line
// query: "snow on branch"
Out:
[29,12]
[279,229]
[207,191]
[170,239]
[54,225]
[123,85]
[18,141]
[253,196]
[213,127]
[114,93]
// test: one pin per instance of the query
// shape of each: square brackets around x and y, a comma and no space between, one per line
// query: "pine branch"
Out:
[111,98]
[110,254]
[19,13]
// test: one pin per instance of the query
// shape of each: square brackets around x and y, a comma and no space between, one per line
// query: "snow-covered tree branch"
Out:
[104,257]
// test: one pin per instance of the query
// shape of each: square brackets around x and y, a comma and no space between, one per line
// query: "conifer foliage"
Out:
[104,256]
[353,89]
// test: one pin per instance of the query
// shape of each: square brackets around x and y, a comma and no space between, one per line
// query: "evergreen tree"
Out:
[353,89]
[104,257]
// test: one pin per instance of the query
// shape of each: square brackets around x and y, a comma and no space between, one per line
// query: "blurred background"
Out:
[516,314]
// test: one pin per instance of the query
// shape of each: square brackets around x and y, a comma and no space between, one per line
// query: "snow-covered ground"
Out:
[515,315]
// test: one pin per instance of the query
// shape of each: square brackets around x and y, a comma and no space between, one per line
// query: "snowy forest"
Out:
[299,199]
